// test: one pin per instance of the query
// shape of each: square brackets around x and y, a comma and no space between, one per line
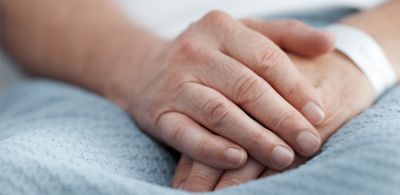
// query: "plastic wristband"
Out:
[366,53]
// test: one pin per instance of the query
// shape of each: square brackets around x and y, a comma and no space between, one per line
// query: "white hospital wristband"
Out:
[366,53]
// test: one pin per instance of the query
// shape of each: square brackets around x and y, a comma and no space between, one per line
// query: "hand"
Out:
[210,92]
[345,91]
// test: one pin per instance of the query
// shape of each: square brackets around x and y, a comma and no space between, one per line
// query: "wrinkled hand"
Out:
[345,92]
[222,89]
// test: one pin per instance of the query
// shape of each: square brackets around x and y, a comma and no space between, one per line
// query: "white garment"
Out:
[170,17]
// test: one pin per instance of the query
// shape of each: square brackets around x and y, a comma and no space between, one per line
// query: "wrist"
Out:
[127,79]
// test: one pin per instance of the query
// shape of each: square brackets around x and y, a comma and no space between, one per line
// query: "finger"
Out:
[254,95]
[268,172]
[202,178]
[297,162]
[191,139]
[267,60]
[294,36]
[251,170]
[221,116]
[182,171]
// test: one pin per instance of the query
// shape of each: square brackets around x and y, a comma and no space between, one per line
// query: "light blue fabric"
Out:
[57,139]
[9,72]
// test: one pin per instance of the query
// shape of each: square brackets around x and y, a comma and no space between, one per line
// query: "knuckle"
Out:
[231,180]
[216,15]
[248,21]
[201,180]
[182,89]
[286,117]
[201,177]
[220,20]
[293,23]
[186,45]
[257,139]
[202,148]
[292,89]
[216,113]
[267,60]
[248,89]
[177,134]
[173,134]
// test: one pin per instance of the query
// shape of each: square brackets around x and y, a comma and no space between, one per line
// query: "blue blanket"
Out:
[58,139]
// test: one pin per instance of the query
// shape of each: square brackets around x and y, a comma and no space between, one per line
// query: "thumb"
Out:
[294,36]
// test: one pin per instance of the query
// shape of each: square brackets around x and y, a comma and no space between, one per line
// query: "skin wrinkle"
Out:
[116,60]
[142,82]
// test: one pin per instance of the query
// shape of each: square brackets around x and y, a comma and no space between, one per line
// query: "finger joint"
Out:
[248,90]
[216,113]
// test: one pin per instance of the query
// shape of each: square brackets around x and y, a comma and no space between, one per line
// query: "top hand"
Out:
[221,89]
[331,75]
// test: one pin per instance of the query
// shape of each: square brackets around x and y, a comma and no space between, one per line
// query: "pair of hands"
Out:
[223,91]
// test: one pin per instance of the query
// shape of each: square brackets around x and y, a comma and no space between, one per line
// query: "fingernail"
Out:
[313,113]
[282,156]
[235,156]
[181,185]
[308,142]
